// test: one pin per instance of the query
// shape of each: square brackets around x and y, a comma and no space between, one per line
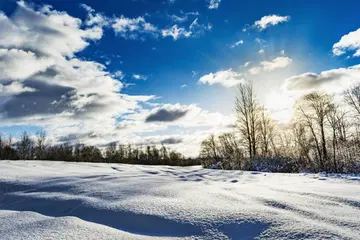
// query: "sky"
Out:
[165,72]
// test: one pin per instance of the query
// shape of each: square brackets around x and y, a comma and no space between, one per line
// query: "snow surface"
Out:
[60,200]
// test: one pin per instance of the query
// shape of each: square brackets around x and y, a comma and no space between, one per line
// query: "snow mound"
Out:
[59,200]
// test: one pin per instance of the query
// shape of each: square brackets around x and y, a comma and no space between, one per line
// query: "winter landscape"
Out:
[179,119]
[60,200]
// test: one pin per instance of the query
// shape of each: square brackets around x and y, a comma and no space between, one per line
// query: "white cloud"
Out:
[131,28]
[195,29]
[214,4]
[261,51]
[37,48]
[227,78]
[175,32]
[348,42]
[76,99]
[269,66]
[95,18]
[247,64]
[13,88]
[184,86]
[118,75]
[282,52]
[16,64]
[66,39]
[139,77]
[240,42]
[270,20]
[333,81]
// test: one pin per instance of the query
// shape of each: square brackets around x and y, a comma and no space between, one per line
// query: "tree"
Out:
[40,147]
[25,147]
[315,108]
[247,116]
[266,132]
[209,148]
[111,152]
[352,98]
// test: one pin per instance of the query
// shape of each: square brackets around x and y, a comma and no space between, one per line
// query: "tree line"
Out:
[38,148]
[323,135]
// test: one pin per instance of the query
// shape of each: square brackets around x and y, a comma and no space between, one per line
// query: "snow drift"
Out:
[60,200]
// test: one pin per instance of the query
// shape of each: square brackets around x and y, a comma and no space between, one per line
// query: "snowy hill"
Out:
[58,200]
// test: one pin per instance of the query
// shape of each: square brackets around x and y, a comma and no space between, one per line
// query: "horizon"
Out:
[165,71]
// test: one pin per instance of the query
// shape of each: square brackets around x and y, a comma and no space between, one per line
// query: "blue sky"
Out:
[112,64]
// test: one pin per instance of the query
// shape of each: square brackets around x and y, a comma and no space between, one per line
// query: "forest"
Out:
[323,136]
[38,148]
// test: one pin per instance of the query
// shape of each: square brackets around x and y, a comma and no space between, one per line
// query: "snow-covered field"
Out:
[58,200]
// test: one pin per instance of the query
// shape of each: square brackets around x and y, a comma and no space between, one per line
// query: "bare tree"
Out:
[266,132]
[209,148]
[352,98]
[315,108]
[247,116]
[40,147]
[25,147]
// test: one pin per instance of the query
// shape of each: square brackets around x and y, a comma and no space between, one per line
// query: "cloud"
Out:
[95,18]
[348,42]
[247,64]
[261,51]
[73,98]
[139,77]
[184,86]
[175,32]
[269,66]
[46,32]
[171,140]
[170,114]
[270,20]
[237,44]
[132,28]
[334,81]
[19,64]
[178,19]
[45,83]
[214,4]
[12,88]
[118,74]
[227,78]
[195,29]
[183,17]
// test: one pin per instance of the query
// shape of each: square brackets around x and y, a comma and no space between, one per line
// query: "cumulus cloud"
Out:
[270,20]
[214,4]
[171,140]
[43,80]
[44,83]
[227,78]
[166,115]
[348,42]
[11,88]
[46,32]
[19,64]
[269,66]
[335,80]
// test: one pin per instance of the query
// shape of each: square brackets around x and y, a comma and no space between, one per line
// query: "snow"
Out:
[60,200]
